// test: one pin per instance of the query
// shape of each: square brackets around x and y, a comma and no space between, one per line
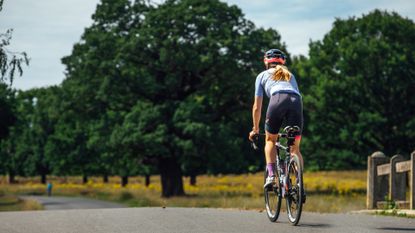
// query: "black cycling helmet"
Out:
[274,56]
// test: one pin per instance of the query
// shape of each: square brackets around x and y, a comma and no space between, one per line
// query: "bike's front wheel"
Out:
[273,197]
[295,190]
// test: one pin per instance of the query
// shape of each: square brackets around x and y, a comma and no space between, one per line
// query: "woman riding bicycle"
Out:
[285,105]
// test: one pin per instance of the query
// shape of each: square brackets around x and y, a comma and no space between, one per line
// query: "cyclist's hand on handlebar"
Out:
[252,135]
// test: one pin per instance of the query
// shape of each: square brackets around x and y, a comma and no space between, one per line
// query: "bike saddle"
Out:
[292,129]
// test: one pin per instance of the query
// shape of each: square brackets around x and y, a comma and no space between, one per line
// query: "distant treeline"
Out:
[168,89]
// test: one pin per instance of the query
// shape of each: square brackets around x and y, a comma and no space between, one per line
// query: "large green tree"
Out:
[359,97]
[191,61]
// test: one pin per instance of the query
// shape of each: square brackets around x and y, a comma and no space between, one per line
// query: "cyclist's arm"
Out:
[256,113]
[256,108]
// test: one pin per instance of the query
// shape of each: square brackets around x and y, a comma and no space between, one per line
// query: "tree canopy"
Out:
[359,98]
[185,62]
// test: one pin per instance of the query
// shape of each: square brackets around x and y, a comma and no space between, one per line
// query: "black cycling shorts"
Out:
[284,108]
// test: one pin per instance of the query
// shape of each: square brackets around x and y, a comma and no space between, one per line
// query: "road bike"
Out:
[289,179]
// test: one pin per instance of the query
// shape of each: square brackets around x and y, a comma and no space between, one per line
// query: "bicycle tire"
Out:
[272,198]
[294,199]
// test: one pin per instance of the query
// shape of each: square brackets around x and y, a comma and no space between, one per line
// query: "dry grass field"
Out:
[341,191]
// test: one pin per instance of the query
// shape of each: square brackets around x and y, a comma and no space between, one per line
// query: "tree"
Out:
[9,62]
[43,118]
[7,115]
[360,100]
[7,119]
[183,58]
[94,88]
[136,142]
[14,150]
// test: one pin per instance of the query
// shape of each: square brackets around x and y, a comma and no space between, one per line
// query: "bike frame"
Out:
[286,168]
[279,161]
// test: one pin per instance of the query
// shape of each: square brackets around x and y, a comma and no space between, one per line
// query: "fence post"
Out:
[377,187]
[412,182]
[397,181]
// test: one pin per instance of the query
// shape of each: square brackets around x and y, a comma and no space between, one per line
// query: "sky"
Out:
[48,29]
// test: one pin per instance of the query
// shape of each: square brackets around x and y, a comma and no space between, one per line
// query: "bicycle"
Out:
[287,168]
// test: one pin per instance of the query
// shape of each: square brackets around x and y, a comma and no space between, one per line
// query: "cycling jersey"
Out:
[285,105]
[264,82]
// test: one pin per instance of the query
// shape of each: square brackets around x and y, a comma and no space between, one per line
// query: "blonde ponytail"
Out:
[281,74]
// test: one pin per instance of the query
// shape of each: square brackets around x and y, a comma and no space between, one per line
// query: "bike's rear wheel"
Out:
[295,190]
[272,198]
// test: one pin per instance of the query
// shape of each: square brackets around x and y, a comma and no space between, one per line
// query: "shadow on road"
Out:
[396,229]
[51,203]
[315,225]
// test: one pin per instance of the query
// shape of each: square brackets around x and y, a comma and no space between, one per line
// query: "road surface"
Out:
[191,220]
[64,203]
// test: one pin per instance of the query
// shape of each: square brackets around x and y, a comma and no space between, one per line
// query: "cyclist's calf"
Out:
[270,149]
[295,149]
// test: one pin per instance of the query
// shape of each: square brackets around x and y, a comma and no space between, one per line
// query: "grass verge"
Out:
[330,192]
[13,203]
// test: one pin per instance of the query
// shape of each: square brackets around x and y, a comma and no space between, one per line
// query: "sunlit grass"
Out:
[13,203]
[327,191]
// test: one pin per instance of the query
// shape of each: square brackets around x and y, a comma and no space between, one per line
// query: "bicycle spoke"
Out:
[294,200]
[272,200]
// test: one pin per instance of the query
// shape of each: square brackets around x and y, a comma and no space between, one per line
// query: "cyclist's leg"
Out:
[295,118]
[270,149]
[295,149]
[273,123]
[270,157]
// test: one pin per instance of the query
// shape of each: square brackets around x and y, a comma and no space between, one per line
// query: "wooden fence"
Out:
[387,179]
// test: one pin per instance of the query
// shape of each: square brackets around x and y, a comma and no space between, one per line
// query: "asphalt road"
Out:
[191,220]
[64,203]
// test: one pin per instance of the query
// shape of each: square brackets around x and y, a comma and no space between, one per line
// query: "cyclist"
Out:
[285,104]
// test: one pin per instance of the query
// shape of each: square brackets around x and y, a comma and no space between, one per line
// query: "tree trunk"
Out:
[43,178]
[147,180]
[85,179]
[124,181]
[105,179]
[12,177]
[193,180]
[171,177]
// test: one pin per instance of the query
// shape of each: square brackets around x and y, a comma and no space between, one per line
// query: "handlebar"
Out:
[290,133]
[255,141]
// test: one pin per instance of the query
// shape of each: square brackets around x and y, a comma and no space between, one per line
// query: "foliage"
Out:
[227,191]
[10,63]
[187,61]
[359,98]
[7,114]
